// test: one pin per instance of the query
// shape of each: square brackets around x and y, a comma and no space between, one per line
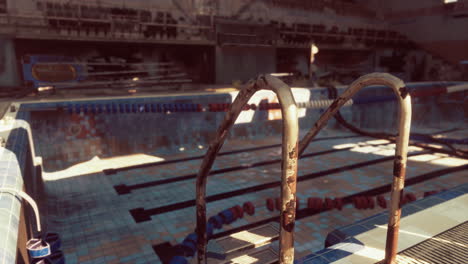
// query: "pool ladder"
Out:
[292,149]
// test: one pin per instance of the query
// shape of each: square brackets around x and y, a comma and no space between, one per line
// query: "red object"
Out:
[239,210]
[410,197]
[357,201]
[338,203]
[253,107]
[234,213]
[370,202]
[381,201]
[211,107]
[363,202]
[278,204]
[329,203]
[314,203]
[429,193]
[310,202]
[403,200]
[270,204]
[318,204]
[199,108]
[249,208]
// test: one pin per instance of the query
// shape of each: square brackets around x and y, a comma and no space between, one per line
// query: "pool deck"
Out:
[432,230]
[96,225]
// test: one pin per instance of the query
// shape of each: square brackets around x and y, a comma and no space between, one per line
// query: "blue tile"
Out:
[314,260]
[447,195]
[409,209]
[463,188]
[336,254]
[371,222]
[354,230]
[428,202]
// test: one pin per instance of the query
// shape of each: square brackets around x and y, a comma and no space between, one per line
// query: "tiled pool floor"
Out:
[96,226]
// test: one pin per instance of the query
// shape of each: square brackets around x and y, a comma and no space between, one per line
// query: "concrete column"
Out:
[9,75]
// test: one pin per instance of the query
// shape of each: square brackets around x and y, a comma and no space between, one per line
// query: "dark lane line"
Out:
[126,189]
[141,214]
[303,213]
[158,163]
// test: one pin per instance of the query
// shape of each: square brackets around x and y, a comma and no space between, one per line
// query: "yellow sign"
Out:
[53,72]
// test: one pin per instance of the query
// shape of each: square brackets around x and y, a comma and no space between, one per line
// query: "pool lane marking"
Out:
[141,215]
[306,212]
[303,213]
[159,163]
[126,189]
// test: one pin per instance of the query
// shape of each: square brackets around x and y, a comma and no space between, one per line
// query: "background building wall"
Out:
[243,63]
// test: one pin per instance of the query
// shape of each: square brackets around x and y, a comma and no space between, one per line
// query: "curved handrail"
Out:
[289,163]
[399,165]
[30,200]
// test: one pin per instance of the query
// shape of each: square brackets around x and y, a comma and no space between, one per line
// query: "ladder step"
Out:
[264,256]
[237,243]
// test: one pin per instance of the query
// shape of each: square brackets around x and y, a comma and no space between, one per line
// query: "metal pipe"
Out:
[399,166]
[288,165]
[31,202]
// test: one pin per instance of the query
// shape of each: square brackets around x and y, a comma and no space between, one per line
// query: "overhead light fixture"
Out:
[450,1]
[314,49]
[281,74]
[46,88]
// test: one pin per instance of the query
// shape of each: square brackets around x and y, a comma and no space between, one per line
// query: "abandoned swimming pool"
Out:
[115,177]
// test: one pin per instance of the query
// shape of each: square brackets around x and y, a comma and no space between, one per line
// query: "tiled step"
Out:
[245,240]
[245,246]
[266,255]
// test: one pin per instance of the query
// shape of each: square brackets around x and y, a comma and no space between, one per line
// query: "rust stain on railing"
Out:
[291,151]
[289,163]
[399,170]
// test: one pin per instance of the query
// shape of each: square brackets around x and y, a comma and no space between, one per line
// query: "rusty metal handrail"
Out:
[399,166]
[289,163]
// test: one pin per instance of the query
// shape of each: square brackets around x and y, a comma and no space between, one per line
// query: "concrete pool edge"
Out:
[18,165]
[362,235]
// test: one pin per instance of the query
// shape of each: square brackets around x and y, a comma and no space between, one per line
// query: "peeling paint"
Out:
[403,92]
[289,216]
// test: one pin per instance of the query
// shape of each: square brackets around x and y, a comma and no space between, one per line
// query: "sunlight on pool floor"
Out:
[97,164]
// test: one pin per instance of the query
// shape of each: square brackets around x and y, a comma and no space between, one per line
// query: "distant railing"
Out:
[104,26]
[108,22]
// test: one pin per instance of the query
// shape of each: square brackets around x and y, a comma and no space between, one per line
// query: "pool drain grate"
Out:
[447,247]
